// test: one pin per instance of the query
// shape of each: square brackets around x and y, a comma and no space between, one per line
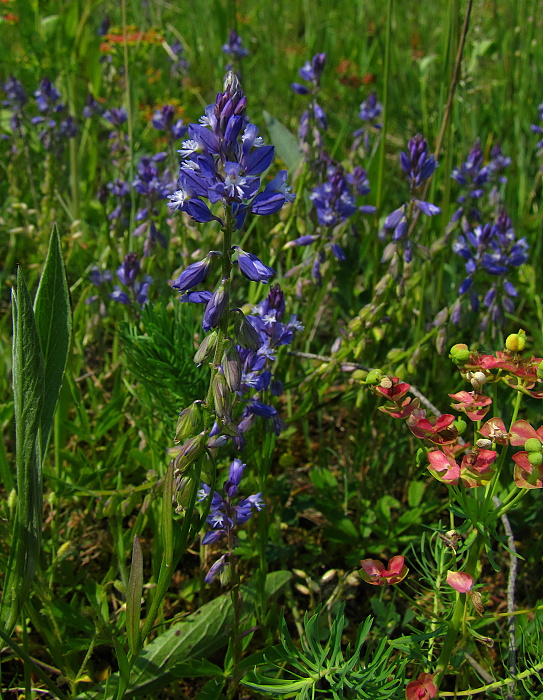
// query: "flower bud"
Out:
[476,379]
[245,333]
[374,376]
[206,349]
[535,458]
[516,342]
[484,443]
[231,365]
[187,453]
[221,397]
[188,421]
[540,371]
[460,354]
[215,308]
[532,445]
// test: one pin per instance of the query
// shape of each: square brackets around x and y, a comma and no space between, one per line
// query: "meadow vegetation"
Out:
[271,339]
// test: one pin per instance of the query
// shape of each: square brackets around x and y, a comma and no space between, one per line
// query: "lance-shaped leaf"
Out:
[134,591]
[54,325]
[28,389]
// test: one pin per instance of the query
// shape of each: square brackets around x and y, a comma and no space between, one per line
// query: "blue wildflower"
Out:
[235,47]
[491,252]
[222,161]
[418,166]
[225,514]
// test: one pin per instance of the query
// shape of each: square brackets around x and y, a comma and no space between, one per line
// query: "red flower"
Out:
[474,405]
[521,431]
[495,430]
[527,475]
[461,582]
[436,430]
[374,572]
[403,410]
[475,469]
[421,689]
[392,388]
[443,467]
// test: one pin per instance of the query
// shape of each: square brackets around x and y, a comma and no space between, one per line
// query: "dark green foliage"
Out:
[160,347]
[320,668]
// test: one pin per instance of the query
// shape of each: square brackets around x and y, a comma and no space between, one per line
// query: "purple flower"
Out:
[194,274]
[252,267]
[215,308]
[222,161]
[225,514]
[235,47]
[491,252]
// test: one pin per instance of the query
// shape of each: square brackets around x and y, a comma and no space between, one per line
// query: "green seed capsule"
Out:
[535,458]
[532,445]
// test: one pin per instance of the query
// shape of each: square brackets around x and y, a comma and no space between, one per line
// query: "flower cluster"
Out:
[15,100]
[226,513]
[117,116]
[334,202]
[164,120]
[134,291]
[256,374]
[234,47]
[537,128]
[53,131]
[477,465]
[152,186]
[369,112]
[313,120]
[180,64]
[418,166]
[221,162]
[491,252]
[478,179]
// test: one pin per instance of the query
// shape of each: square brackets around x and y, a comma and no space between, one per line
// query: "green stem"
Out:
[235,632]
[384,129]
[457,620]
[222,331]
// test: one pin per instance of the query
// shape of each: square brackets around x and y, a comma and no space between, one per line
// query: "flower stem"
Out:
[457,620]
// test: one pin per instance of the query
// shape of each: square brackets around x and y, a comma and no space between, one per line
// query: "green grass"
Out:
[342,481]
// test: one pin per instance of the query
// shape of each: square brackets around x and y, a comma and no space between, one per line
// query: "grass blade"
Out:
[133,598]
[28,389]
[54,325]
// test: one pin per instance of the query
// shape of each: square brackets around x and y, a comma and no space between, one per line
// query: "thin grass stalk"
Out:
[384,128]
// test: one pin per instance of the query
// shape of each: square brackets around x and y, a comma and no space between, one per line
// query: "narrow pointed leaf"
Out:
[54,325]
[28,388]
[134,591]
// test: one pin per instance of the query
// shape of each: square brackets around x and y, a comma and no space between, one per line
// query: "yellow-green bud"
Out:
[374,376]
[540,371]
[535,458]
[460,425]
[460,354]
[532,445]
[516,342]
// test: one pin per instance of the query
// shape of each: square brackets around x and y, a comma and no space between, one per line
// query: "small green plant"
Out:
[322,669]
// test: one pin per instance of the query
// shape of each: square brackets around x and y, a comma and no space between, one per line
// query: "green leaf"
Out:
[195,668]
[28,389]
[185,644]
[415,492]
[286,144]
[54,325]
[134,591]
[212,690]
